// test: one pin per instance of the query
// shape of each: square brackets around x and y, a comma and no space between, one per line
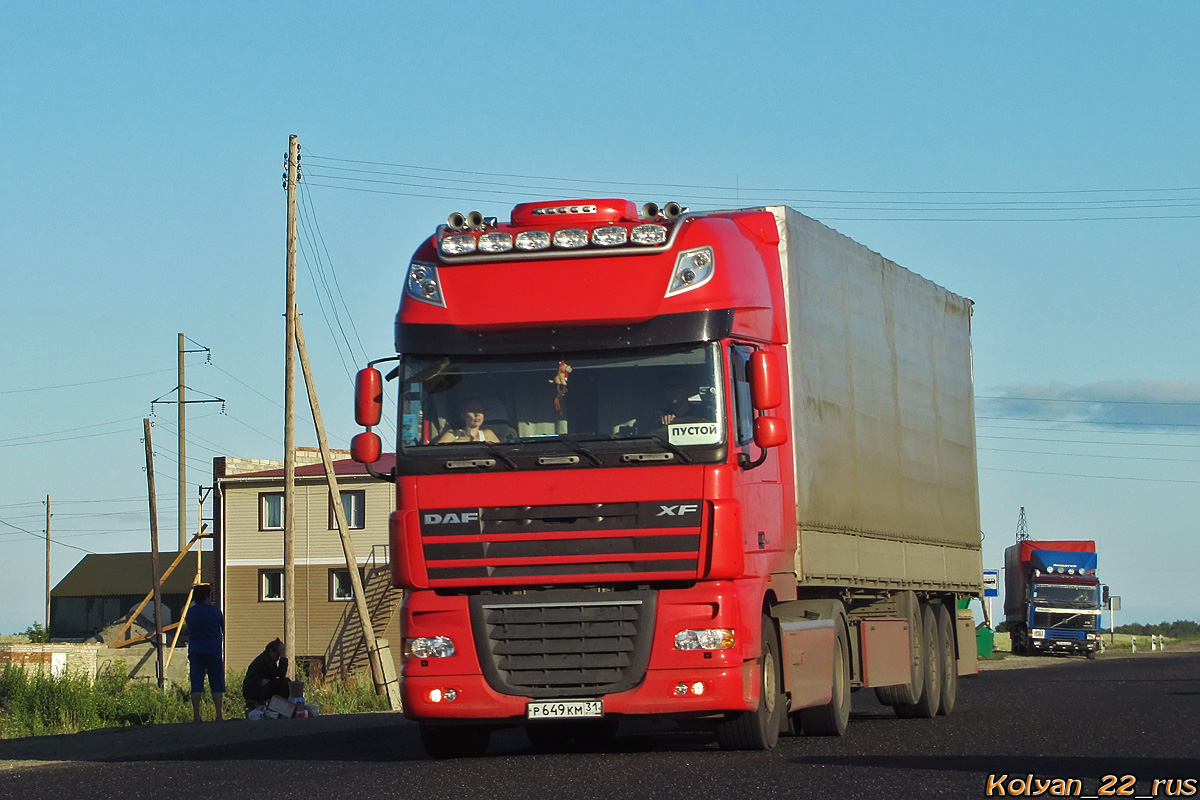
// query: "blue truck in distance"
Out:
[1052,597]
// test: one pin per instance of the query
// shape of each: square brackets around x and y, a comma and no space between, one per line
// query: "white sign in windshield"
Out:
[694,433]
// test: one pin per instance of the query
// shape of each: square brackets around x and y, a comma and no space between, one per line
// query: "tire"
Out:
[931,690]
[949,657]
[759,729]
[908,693]
[454,741]
[831,719]
[1091,654]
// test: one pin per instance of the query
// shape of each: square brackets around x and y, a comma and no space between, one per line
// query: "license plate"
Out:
[564,709]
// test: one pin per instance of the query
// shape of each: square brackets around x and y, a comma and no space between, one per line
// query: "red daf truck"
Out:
[715,467]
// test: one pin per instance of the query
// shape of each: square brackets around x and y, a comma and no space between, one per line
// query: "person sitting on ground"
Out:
[206,628]
[472,429]
[267,676]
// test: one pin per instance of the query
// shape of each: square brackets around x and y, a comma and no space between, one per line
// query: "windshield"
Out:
[670,395]
[1066,594]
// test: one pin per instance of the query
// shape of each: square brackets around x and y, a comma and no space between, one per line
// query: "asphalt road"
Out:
[1067,719]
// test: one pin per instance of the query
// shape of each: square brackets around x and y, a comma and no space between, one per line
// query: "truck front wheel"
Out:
[758,729]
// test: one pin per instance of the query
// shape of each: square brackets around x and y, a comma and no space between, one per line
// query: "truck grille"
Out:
[562,543]
[1059,622]
[563,643]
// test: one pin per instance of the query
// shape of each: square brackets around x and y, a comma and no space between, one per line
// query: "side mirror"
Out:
[368,397]
[766,384]
[769,432]
[366,447]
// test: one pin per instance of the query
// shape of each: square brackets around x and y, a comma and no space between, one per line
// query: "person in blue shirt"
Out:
[206,632]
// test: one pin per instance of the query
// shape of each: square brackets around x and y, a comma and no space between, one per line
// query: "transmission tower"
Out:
[1022,528]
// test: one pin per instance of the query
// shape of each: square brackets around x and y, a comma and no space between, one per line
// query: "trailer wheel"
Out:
[758,729]
[948,653]
[908,693]
[931,690]
[454,741]
[831,719]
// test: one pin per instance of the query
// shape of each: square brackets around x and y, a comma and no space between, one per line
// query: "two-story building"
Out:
[248,524]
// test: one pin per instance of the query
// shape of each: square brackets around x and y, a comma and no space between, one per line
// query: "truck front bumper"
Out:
[721,690]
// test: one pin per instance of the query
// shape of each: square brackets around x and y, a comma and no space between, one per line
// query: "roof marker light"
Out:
[693,268]
[495,242]
[648,234]
[571,238]
[610,235]
[533,240]
[458,244]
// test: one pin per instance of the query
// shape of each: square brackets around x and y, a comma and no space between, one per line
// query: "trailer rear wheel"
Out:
[831,719]
[759,729]
[908,693]
[454,741]
[948,652]
[931,690]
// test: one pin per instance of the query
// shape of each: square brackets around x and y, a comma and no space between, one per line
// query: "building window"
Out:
[270,585]
[270,511]
[340,588]
[355,505]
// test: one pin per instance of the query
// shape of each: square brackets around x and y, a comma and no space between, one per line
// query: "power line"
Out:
[1094,401]
[84,383]
[42,537]
[746,189]
[1096,477]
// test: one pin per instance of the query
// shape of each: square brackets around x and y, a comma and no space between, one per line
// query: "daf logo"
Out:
[452,518]
[677,511]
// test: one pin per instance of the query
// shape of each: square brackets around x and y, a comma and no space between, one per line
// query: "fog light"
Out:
[681,689]
[440,695]
[698,688]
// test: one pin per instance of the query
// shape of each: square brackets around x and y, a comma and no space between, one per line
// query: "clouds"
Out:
[1163,405]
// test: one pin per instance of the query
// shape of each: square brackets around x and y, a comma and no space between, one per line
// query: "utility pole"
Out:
[182,425]
[181,420]
[47,565]
[158,626]
[289,413]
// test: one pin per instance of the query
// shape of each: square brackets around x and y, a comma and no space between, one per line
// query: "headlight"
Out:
[422,283]
[693,268]
[709,639]
[1039,633]
[430,647]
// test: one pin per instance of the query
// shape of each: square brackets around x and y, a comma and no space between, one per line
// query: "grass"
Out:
[1119,643]
[34,703]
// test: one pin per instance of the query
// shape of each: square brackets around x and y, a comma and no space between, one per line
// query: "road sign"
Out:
[1114,602]
[991,583]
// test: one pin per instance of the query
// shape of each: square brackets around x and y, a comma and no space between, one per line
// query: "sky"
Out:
[1039,158]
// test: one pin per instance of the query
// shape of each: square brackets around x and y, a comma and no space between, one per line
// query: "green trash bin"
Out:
[985,637]
[985,641]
